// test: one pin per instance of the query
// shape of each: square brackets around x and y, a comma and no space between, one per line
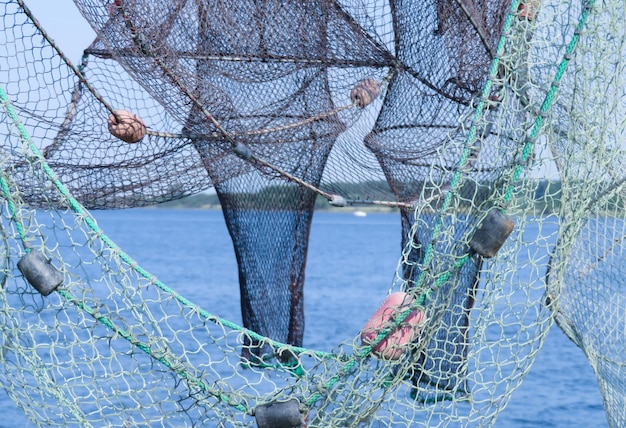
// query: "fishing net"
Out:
[493,129]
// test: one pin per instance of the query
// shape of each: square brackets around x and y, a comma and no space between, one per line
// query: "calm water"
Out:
[350,265]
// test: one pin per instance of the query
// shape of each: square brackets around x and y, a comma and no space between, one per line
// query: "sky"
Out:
[64,23]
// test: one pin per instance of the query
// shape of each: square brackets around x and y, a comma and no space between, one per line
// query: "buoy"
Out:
[492,233]
[337,201]
[40,272]
[365,92]
[242,151]
[394,345]
[126,126]
[281,414]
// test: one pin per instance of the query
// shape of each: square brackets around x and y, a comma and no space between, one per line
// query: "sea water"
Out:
[351,264]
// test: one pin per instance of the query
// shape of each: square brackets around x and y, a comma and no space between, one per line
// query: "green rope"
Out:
[12,212]
[78,209]
[3,183]
[455,181]
[93,226]
[472,136]
[193,380]
[547,104]
[182,372]
[437,230]
[38,370]
[549,99]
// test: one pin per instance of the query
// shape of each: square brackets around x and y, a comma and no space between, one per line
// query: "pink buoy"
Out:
[394,345]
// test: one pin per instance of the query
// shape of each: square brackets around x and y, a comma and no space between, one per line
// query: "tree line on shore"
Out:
[545,196]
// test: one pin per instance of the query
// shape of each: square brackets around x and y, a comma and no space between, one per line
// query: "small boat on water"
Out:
[360,213]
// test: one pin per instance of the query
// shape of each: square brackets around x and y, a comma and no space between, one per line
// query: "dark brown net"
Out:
[446,112]
[241,79]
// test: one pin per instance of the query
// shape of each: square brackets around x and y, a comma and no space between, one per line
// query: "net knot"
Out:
[115,7]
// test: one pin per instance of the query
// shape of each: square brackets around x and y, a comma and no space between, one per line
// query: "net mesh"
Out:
[494,129]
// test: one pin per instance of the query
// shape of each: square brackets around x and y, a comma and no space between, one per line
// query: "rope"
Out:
[12,212]
[39,369]
[214,135]
[550,97]
[528,145]
[4,185]
[178,369]
[239,148]
[527,150]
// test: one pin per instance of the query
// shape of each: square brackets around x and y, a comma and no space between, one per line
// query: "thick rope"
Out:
[239,149]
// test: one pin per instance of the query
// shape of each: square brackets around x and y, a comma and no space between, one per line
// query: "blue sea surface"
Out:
[350,266]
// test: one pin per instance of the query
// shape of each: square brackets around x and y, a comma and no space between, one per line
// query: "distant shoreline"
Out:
[543,196]
[206,201]
[351,209]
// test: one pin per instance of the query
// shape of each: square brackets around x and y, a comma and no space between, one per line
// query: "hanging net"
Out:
[493,129]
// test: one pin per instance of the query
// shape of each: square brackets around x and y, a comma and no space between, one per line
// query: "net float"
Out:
[126,126]
[365,92]
[393,346]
